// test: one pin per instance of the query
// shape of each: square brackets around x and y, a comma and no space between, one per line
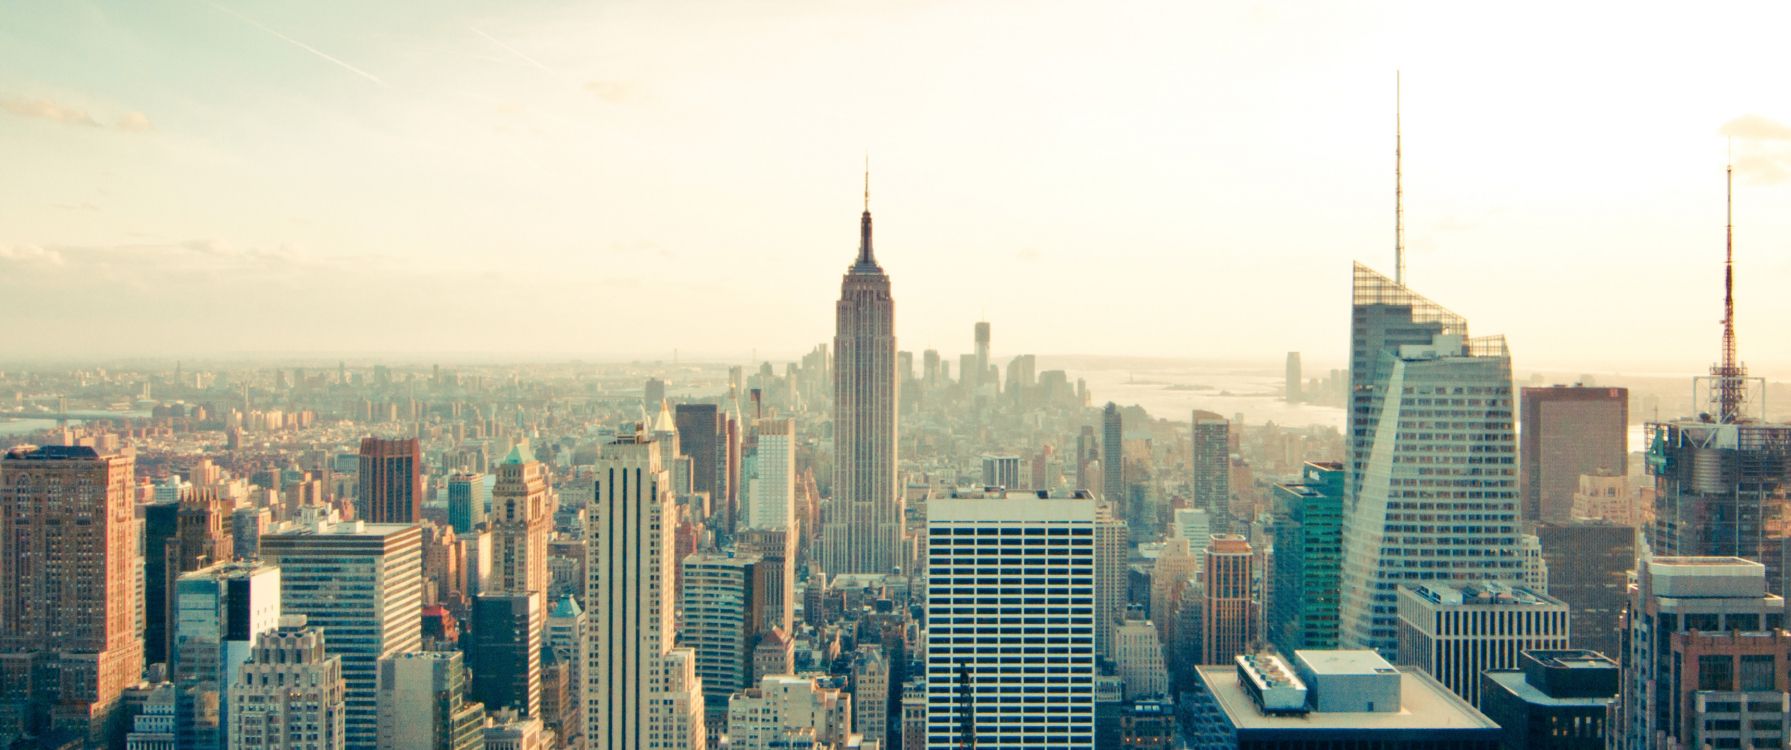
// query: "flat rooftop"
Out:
[1513,680]
[1344,661]
[1424,705]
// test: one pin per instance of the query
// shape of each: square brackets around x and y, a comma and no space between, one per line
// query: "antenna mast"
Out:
[1729,373]
[1398,189]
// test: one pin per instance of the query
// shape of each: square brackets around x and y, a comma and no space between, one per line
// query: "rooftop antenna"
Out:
[1729,373]
[1398,189]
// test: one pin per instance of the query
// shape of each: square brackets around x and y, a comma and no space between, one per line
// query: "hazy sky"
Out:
[1181,179]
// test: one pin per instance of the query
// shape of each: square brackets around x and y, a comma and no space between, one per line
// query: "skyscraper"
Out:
[362,584]
[1228,612]
[69,644]
[1432,455]
[184,536]
[982,356]
[640,691]
[1589,564]
[390,482]
[1457,632]
[1566,433]
[505,650]
[703,436]
[1010,623]
[723,605]
[863,530]
[423,706]
[290,694]
[467,499]
[1212,469]
[1113,456]
[1303,599]
[771,503]
[219,611]
[1292,385]
[1112,569]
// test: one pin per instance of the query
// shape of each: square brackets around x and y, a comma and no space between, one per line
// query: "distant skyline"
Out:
[1157,179]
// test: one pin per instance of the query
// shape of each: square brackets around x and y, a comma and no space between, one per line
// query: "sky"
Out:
[626,179]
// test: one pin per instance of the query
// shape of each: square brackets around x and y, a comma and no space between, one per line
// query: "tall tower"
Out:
[1113,457]
[1228,615]
[390,482]
[1212,469]
[510,617]
[1432,490]
[68,602]
[863,531]
[982,353]
[637,685]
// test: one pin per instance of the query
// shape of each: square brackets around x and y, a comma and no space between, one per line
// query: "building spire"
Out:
[1729,373]
[865,258]
[1398,190]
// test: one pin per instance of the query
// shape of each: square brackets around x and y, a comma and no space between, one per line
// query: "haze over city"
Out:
[1103,178]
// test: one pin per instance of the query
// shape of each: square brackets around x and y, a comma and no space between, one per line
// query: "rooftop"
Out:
[1489,593]
[1344,661]
[1424,703]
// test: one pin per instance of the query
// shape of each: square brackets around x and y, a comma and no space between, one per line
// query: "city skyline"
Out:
[1522,173]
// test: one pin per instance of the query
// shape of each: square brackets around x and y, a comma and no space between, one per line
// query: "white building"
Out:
[640,693]
[1002,471]
[771,491]
[722,606]
[786,711]
[362,585]
[1456,633]
[1113,551]
[870,692]
[422,703]
[290,695]
[153,728]
[1433,459]
[1139,659]
[1010,622]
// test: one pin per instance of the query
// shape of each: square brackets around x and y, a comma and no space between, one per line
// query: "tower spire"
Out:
[1729,373]
[1398,189]
[865,258]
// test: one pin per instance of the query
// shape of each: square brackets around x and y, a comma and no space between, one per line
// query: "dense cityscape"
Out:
[276,515]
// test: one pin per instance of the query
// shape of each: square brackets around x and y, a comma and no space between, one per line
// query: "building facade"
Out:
[1228,609]
[1456,633]
[1566,433]
[1212,469]
[390,483]
[290,694]
[1304,584]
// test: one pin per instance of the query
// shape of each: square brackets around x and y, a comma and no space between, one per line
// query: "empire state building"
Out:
[862,529]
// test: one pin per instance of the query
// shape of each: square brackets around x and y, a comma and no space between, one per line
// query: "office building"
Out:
[1346,700]
[776,575]
[1565,433]
[640,692]
[178,537]
[1456,633]
[771,495]
[69,639]
[870,692]
[1138,659]
[1588,565]
[564,645]
[653,394]
[1433,493]
[1194,525]
[723,608]
[161,525]
[1707,657]
[1113,551]
[983,358]
[703,438]
[390,482]
[1002,471]
[468,499]
[153,727]
[290,694]
[504,650]
[1113,456]
[508,730]
[1010,623]
[1554,700]
[423,706]
[1292,382]
[362,585]
[1308,550]
[787,711]
[1228,609]
[219,611]
[863,530]
[1212,469]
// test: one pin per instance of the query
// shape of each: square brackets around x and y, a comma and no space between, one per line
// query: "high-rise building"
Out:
[870,692]
[640,692]
[1292,382]
[1170,579]
[1010,623]
[1707,657]
[786,711]
[504,650]
[1228,612]
[1566,433]
[1113,551]
[1553,700]
[1336,699]
[723,607]
[362,585]
[1138,657]
[983,358]
[423,706]
[1589,564]
[564,646]
[1456,633]
[703,437]
[771,495]
[1432,484]
[1304,588]
[178,537]
[1212,469]
[864,526]
[69,639]
[1113,456]
[776,574]
[161,525]
[467,500]
[219,611]
[1002,471]
[652,394]
[289,695]
[390,482]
